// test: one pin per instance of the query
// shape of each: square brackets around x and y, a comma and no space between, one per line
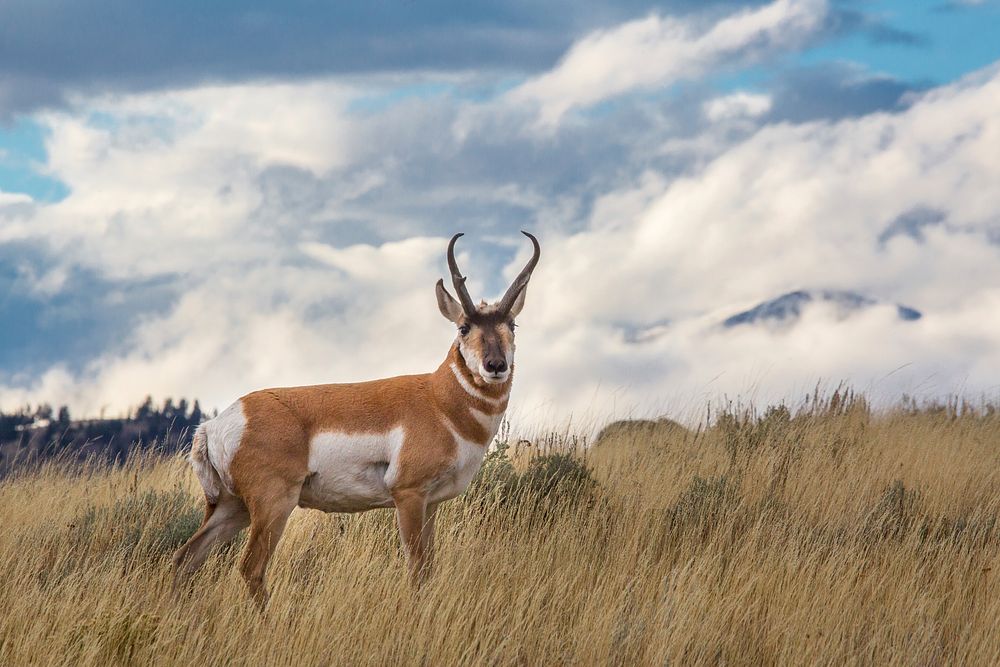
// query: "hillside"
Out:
[33,435]
[828,533]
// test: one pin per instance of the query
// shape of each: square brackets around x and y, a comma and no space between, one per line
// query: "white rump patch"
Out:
[225,433]
[352,472]
[203,469]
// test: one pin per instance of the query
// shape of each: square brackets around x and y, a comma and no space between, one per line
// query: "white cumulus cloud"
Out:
[245,201]
[658,50]
[736,105]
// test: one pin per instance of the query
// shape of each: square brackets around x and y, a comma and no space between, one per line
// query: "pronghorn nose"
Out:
[496,365]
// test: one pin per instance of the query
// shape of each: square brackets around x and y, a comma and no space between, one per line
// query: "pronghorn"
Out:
[408,442]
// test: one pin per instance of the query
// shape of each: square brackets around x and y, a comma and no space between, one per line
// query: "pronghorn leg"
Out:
[427,539]
[411,511]
[222,523]
[268,516]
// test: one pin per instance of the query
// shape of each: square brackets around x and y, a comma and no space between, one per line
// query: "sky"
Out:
[201,200]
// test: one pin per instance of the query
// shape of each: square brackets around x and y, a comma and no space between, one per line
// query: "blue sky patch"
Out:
[947,44]
[22,161]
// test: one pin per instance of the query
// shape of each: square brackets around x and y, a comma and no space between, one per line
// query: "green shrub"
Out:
[563,475]
[496,475]
[152,524]
[553,478]
[703,502]
[897,512]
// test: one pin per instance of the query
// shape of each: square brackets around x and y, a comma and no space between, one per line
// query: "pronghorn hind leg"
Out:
[183,549]
[411,512]
[268,516]
[223,521]
[427,539]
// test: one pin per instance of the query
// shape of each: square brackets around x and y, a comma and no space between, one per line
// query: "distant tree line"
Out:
[43,432]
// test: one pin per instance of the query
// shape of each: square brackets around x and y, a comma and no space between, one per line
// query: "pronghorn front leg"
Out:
[411,514]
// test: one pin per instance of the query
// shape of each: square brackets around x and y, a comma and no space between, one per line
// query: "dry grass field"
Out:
[829,534]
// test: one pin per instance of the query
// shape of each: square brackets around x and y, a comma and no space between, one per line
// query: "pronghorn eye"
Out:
[464,329]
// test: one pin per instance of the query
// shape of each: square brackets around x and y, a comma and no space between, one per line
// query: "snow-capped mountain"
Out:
[788,307]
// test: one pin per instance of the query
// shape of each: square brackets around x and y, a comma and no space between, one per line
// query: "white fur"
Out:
[495,379]
[474,363]
[348,472]
[490,422]
[471,357]
[468,458]
[224,434]
[472,391]
[203,469]
[351,472]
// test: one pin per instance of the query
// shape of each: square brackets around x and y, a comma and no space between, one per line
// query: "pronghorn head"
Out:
[486,331]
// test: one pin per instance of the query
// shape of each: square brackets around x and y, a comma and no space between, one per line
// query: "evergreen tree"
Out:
[145,410]
[43,412]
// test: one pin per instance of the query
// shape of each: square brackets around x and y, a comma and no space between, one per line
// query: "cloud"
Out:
[166,183]
[19,93]
[835,90]
[874,26]
[911,223]
[793,206]
[54,313]
[656,51]
[737,105]
[11,198]
[961,5]
[281,237]
[55,50]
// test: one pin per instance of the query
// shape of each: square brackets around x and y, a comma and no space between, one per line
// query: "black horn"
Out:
[522,278]
[458,280]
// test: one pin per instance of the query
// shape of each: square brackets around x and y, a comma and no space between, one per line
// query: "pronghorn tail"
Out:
[203,468]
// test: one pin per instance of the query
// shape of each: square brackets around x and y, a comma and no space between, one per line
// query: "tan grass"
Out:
[836,536]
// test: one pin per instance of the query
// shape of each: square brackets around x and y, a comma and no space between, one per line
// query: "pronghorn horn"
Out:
[459,280]
[522,278]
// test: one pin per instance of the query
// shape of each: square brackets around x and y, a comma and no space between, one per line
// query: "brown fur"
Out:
[281,422]
[271,463]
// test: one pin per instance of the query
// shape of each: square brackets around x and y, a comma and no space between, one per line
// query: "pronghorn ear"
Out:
[518,304]
[451,309]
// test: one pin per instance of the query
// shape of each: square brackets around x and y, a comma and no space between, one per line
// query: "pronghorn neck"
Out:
[476,393]
[473,411]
